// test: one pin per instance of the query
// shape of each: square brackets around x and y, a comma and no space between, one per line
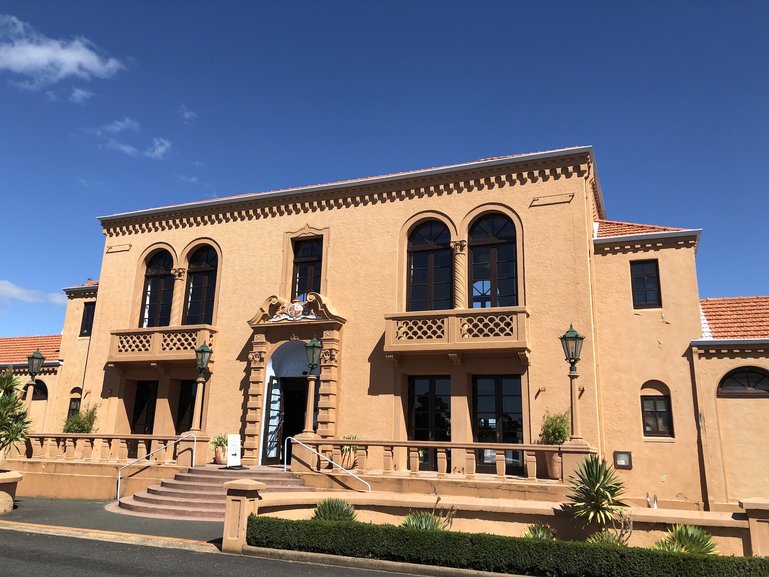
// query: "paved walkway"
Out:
[93,515]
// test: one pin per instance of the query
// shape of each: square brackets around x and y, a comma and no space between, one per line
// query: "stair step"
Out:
[129,504]
[182,494]
[212,478]
[207,504]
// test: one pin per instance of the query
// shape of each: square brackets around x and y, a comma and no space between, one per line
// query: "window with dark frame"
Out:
[86,324]
[645,280]
[40,391]
[201,286]
[74,406]
[657,416]
[493,266]
[744,382]
[308,265]
[430,274]
[158,291]
[429,414]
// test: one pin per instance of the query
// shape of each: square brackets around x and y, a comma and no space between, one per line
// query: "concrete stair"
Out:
[198,494]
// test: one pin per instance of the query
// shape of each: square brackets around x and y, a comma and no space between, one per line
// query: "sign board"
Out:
[233,450]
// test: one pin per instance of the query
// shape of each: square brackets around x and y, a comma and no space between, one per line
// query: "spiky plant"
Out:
[687,539]
[606,537]
[423,520]
[334,510]
[539,532]
[14,422]
[596,492]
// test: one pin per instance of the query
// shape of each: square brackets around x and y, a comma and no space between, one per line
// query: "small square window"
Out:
[657,416]
[645,280]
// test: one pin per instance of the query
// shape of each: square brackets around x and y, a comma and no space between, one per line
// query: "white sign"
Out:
[233,450]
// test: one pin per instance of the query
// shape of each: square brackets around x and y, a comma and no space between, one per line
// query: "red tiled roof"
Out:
[608,228]
[737,317]
[17,349]
[87,283]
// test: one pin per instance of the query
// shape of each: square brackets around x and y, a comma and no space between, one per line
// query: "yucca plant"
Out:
[334,510]
[606,537]
[539,532]
[423,520]
[687,539]
[596,492]
[14,421]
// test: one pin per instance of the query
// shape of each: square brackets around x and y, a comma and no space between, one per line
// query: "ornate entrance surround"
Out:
[272,326]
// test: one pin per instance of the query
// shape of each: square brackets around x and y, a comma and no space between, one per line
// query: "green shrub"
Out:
[14,421]
[595,492]
[539,532]
[422,520]
[606,537]
[334,510]
[81,422]
[484,552]
[218,441]
[687,539]
[555,429]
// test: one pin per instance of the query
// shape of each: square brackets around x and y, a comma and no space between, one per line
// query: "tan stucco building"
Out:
[439,297]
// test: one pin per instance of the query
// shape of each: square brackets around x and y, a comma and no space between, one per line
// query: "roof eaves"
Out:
[649,236]
[729,342]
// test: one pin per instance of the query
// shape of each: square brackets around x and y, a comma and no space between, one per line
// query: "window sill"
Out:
[662,440]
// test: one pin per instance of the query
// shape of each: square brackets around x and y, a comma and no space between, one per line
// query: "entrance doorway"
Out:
[430,416]
[185,409]
[146,398]
[498,418]
[286,408]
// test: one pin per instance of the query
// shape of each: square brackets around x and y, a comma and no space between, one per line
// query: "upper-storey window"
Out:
[308,262]
[493,263]
[201,286]
[646,284]
[86,323]
[430,271]
[158,290]
[745,382]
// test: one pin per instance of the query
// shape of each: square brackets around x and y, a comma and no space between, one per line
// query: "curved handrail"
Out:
[298,442]
[175,441]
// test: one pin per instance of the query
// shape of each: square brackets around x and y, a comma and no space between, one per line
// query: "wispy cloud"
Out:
[187,115]
[188,179]
[118,125]
[41,61]
[160,147]
[80,95]
[13,292]
[122,147]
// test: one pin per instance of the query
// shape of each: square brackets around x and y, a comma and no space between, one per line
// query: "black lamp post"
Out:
[34,364]
[202,356]
[313,349]
[572,348]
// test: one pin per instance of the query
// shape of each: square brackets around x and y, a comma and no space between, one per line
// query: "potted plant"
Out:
[219,445]
[349,453]
[555,431]
[14,424]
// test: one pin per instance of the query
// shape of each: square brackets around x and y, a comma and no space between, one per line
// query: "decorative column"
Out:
[197,409]
[309,412]
[256,359]
[177,301]
[329,377]
[460,273]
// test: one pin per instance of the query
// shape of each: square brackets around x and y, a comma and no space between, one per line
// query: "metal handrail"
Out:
[175,441]
[298,442]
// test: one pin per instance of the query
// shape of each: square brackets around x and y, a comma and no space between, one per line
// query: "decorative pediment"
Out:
[278,311]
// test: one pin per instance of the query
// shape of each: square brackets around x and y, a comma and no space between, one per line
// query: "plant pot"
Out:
[554,466]
[8,482]
[220,456]
[349,460]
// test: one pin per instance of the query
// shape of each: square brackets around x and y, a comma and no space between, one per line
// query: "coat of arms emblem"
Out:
[295,310]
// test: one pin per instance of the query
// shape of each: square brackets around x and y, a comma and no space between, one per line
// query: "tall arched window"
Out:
[430,271]
[201,286]
[493,262]
[158,290]
[745,382]
[40,392]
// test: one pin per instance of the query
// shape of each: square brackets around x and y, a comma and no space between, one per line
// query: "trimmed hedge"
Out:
[485,552]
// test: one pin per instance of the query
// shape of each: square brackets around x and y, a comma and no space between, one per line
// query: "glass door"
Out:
[144,407]
[273,423]
[430,415]
[186,407]
[498,418]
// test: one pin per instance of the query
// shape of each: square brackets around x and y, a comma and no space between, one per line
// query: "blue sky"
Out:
[112,106]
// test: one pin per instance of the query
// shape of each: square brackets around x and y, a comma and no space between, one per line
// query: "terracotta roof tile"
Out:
[608,228]
[17,349]
[737,317]
[87,283]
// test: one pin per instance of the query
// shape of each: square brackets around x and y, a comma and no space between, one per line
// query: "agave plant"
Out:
[334,510]
[423,520]
[539,532]
[14,422]
[607,538]
[687,539]
[596,492]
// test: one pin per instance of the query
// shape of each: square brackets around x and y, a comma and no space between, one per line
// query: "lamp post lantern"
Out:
[34,364]
[571,341]
[313,349]
[202,356]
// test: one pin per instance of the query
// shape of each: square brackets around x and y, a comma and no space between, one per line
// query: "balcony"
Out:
[503,328]
[159,343]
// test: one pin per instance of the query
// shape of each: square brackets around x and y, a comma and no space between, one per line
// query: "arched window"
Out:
[430,271]
[40,392]
[745,382]
[158,290]
[201,286]
[656,410]
[493,262]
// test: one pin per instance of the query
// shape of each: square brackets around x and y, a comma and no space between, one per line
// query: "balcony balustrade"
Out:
[159,343]
[457,330]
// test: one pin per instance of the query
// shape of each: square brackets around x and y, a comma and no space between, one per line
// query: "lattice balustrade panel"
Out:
[134,343]
[179,341]
[487,326]
[419,329]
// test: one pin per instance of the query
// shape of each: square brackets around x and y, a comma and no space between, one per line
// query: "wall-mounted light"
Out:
[623,460]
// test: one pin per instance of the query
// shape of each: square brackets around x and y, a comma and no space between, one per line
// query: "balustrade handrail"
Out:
[175,328]
[451,445]
[101,436]
[293,440]
[174,442]
[455,312]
